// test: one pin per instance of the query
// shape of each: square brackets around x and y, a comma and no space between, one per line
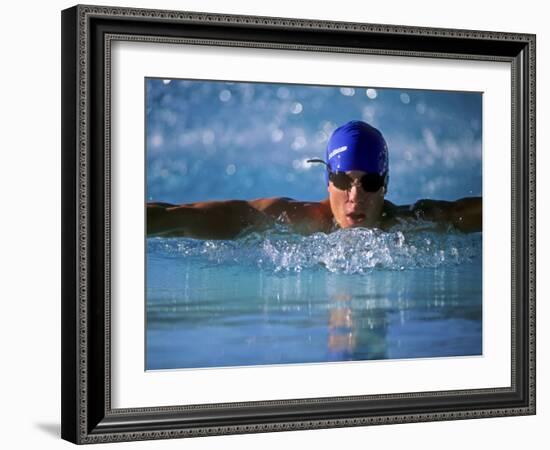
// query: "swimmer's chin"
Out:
[354,220]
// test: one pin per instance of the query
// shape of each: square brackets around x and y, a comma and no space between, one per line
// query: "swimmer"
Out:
[357,175]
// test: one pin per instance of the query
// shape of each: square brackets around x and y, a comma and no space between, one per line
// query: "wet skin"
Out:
[342,209]
[355,207]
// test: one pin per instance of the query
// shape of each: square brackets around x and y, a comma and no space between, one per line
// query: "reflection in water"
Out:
[371,325]
[340,328]
[201,314]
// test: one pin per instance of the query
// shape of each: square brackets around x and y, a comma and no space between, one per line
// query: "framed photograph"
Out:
[280,224]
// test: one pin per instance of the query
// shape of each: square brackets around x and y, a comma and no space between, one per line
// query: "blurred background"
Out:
[212,140]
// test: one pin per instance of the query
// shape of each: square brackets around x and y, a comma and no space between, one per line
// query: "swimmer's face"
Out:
[355,207]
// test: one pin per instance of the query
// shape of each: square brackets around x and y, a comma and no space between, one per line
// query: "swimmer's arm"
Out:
[204,220]
[464,214]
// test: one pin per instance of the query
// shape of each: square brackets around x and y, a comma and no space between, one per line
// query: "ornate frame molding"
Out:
[78,425]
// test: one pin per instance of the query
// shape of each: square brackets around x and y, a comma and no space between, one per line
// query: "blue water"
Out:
[214,140]
[281,298]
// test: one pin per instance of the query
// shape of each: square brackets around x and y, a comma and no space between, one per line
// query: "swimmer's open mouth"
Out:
[356,217]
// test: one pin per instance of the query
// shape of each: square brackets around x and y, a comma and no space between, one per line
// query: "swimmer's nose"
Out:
[355,193]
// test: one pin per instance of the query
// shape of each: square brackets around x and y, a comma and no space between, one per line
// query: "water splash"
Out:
[348,251]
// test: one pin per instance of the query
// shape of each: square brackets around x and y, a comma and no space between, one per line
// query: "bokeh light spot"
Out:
[299,143]
[208,137]
[157,140]
[277,135]
[225,95]
[347,91]
[296,108]
[371,93]
[283,93]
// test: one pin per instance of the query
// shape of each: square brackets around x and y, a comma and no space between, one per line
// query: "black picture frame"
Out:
[87,415]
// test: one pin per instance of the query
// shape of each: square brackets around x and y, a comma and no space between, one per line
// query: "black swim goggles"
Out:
[370,182]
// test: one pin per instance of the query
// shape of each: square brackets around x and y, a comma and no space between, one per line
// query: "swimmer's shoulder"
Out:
[464,214]
[306,216]
[391,213]
[277,205]
[270,205]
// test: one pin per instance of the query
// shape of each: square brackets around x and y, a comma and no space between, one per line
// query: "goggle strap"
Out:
[317,160]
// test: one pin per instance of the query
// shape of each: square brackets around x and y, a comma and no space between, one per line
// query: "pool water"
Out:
[282,298]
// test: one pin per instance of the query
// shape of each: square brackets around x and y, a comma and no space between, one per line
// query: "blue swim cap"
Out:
[357,145]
